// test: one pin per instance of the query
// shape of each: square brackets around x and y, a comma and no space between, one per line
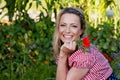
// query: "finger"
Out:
[74,45]
[70,45]
[67,50]
[67,44]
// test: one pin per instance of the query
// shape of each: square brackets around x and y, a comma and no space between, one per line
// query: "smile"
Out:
[68,36]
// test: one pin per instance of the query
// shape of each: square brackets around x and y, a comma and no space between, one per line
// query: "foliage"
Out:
[17,8]
[105,37]
[115,63]
[23,50]
[26,46]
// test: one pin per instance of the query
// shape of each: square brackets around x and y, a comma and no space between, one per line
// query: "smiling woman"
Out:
[69,27]
[74,63]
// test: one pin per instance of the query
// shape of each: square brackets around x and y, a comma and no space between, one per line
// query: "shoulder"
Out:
[80,53]
[94,48]
[81,59]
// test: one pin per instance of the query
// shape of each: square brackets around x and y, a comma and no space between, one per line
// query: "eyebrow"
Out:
[70,23]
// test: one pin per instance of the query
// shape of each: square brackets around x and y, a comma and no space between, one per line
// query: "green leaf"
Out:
[113,48]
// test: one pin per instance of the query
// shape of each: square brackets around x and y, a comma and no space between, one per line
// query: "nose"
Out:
[67,29]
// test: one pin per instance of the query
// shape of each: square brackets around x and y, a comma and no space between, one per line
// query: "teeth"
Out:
[68,36]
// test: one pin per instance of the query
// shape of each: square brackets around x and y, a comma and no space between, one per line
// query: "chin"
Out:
[67,41]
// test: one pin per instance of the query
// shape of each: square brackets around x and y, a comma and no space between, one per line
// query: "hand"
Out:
[68,48]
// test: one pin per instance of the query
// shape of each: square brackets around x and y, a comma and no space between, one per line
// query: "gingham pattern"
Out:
[95,61]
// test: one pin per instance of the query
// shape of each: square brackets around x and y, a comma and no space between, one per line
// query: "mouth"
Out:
[68,36]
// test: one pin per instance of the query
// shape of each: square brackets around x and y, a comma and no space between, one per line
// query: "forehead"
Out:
[70,17]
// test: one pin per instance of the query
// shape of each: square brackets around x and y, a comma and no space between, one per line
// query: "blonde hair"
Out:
[56,40]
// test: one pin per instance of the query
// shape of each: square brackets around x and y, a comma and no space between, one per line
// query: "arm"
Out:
[62,68]
[76,74]
[73,74]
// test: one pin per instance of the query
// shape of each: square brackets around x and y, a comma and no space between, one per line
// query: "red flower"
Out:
[105,55]
[86,42]
[95,38]
[109,59]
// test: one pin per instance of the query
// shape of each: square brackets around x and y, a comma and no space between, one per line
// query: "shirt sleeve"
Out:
[82,60]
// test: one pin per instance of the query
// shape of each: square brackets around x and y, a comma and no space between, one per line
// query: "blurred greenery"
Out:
[26,42]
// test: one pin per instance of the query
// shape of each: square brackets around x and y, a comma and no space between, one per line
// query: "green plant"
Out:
[115,63]
[105,37]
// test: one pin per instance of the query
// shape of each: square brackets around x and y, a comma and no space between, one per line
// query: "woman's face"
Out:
[69,27]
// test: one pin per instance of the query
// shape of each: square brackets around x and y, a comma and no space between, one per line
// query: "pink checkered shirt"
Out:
[99,68]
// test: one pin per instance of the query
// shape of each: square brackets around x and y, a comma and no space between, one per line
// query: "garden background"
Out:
[26,30]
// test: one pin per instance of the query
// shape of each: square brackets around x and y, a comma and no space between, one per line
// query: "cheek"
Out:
[61,30]
[60,33]
[78,33]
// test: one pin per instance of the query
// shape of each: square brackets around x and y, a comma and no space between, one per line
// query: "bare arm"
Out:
[72,74]
[62,68]
[76,74]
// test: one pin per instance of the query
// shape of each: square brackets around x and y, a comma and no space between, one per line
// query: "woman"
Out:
[74,63]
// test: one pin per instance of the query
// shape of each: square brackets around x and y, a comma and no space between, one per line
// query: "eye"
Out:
[62,25]
[74,26]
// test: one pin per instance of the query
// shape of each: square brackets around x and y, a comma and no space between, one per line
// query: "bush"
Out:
[105,37]
[26,51]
